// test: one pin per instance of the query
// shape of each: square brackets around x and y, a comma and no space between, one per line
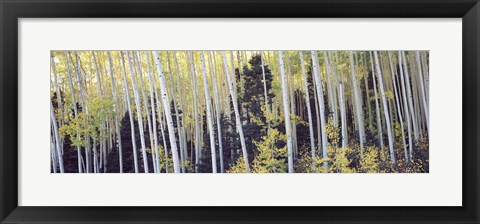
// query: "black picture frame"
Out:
[12,10]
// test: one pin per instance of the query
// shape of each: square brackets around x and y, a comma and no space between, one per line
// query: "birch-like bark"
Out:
[422,89]
[57,91]
[237,113]
[397,99]
[168,113]
[75,111]
[343,116]
[81,82]
[130,113]
[139,113]
[137,58]
[265,87]
[358,105]
[330,88]
[99,90]
[405,107]
[209,114]
[217,110]
[160,120]
[321,105]
[286,112]
[57,138]
[196,117]
[377,107]
[309,111]
[410,96]
[115,108]
[175,107]
[385,108]
[154,119]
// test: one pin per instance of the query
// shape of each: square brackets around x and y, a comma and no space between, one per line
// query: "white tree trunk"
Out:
[321,105]
[75,111]
[405,107]
[286,112]
[57,138]
[115,108]
[385,108]
[130,113]
[267,107]
[139,113]
[57,90]
[196,117]
[160,120]
[154,119]
[309,111]
[343,116]
[237,113]
[137,58]
[392,71]
[422,89]
[168,113]
[358,105]
[209,114]
[410,97]
[377,107]
[331,96]
[217,110]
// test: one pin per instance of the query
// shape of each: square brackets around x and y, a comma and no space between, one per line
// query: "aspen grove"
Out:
[239,111]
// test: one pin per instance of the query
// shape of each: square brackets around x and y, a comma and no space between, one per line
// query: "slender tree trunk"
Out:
[139,113]
[385,108]
[57,91]
[321,104]
[217,110]
[398,106]
[267,107]
[309,112]
[330,88]
[154,119]
[209,114]
[53,155]
[196,117]
[137,58]
[358,105]
[168,113]
[132,126]
[99,90]
[237,113]
[343,116]
[162,130]
[57,138]
[377,108]
[422,89]
[115,108]
[75,111]
[180,97]
[410,97]
[405,103]
[286,111]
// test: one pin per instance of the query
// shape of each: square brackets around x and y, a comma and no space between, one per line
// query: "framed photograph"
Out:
[239,111]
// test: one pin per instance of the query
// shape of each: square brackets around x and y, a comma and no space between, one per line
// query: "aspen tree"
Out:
[168,113]
[237,113]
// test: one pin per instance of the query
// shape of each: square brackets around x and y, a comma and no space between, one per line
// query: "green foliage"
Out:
[333,133]
[370,161]
[85,126]
[341,160]
[270,158]
[239,166]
